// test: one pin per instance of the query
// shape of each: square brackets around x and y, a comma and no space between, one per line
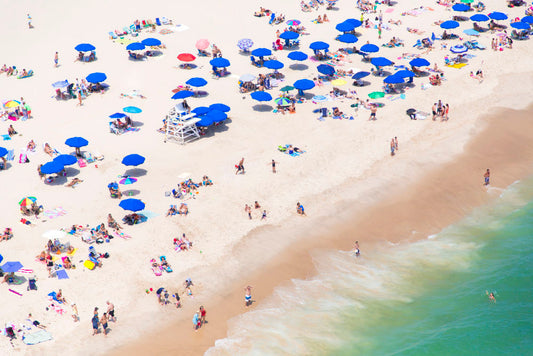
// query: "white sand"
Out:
[339,152]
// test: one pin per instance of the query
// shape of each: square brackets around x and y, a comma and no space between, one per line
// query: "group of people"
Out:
[182,243]
[33,209]
[108,316]
[394,146]
[441,110]
[257,206]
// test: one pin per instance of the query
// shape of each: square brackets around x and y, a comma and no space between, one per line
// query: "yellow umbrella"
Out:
[11,104]
[338,82]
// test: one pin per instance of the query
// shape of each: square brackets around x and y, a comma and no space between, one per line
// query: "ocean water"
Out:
[422,298]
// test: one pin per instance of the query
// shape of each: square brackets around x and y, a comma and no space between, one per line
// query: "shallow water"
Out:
[420,298]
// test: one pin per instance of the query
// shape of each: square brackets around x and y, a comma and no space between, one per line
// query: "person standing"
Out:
[487,177]
[29,22]
[396,144]
[248,296]
[274,166]
[446,111]
[392,147]
[379,30]
[356,249]
[264,216]
[373,110]
[103,322]
[95,321]
[75,315]
[195,320]
[248,210]
[203,314]
[56,59]
[111,311]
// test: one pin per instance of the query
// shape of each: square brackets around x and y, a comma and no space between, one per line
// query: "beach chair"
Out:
[32,285]
[157,21]
[165,21]
[112,35]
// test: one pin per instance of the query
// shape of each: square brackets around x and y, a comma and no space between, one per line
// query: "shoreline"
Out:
[405,216]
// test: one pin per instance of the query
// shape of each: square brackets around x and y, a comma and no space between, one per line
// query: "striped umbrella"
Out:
[128,180]
[27,201]
[12,104]
[245,44]
[293,22]
[282,101]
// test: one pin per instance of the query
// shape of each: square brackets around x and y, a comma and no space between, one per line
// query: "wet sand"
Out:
[420,208]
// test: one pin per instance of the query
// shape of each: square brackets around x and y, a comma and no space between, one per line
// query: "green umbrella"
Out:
[376,95]
[287,88]
[467,1]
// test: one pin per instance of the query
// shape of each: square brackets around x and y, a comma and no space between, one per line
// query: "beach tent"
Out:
[133,160]
[369,48]
[297,56]
[132,204]
[196,82]
[84,47]
[261,96]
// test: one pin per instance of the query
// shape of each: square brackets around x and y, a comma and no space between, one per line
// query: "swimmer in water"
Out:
[356,249]
[492,298]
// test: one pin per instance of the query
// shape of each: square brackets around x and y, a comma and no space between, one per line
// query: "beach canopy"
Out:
[76,142]
[52,167]
[282,101]
[261,96]
[60,84]
[447,25]
[347,38]
[458,49]
[498,16]
[196,82]
[217,115]
[132,204]
[376,95]
[182,94]
[381,62]
[84,47]
[133,160]
[461,7]
[3,151]
[247,78]
[304,84]
[202,44]
[318,45]
[289,35]
[219,107]
[273,64]
[117,115]
[297,56]
[369,48]
[245,44]
[520,25]
[393,79]
[419,62]
[200,110]
[11,267]
[132,110]
[404,74]
[186,57]
[151,42]
[96,77]
[326,69]
[261,52]
[65,160]
[360,75]
[527,19]
[135,46]
[219,62]
[479,18]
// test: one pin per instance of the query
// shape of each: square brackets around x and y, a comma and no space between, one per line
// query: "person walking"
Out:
[203,314]
[195,321]
[240,167]
[56,60]
[103,322]
[486,176]
[111,311]
[248,296]
[274,166]
[95,321]
[392,147]
[248,210]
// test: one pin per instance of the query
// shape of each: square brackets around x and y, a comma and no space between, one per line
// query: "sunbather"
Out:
[60,298]
[8,233]
[112,223]
[73,182]
[183,210]
[172,210]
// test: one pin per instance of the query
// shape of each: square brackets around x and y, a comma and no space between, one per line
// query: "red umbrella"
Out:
[186,57]
[202,44]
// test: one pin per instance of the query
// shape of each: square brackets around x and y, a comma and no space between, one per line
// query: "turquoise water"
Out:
[422,298]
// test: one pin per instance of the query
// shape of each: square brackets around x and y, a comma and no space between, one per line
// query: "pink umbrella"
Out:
[202,44]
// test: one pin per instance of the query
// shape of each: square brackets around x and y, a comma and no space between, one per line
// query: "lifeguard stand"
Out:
[181,126]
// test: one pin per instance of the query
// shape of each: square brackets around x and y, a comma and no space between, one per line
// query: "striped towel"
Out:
[25,270]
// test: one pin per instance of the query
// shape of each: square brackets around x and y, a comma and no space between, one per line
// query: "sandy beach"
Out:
[351,187]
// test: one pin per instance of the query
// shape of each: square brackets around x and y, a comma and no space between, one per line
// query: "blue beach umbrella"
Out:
[354,22]
[381,62]
[289,35]
[84,47]
[527,19]
[65,160]
[132,110]
[60,84]
[419,62]
[460,7]
[117,115]
[11,267]
[196,82]
[3,151]
[113,185]
[360,75]
[261,96]
[52,167]
[219,62]
[318,45]
[520,25]
[273,64]
[261,52]
[448,25]
[151,42]
[182,94]
[133,160]
[282,101]
[498,16]
[347,38]
[200,110]
[217,116]
[205,121]
[393,79]
[219,107]
[135,46]
[245,44]
[345,26]
[479,18]
[304,84]
[404,74]
[96,77]
[297,56]
[132,204]
[326,69]
[76,142]
[369,48]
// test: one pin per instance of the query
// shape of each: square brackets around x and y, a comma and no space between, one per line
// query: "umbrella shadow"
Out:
[245,53]
[307,96]
[383,73]
[188,66]
[262,107]
[137,123]
[71,171]
[299,66]
[140,59]
[362,83]
[131,192]
[201,94]
[423,74]
[135,172]
[155,53]
[58,180]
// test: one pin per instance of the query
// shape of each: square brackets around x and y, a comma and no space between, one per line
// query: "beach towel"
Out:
[53,295]
[456,65]
[180,28]
[122,234]
[6,137]
[25,271]
[148,214]
[37,337]
[62,274]
[89,264]
[132,129]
